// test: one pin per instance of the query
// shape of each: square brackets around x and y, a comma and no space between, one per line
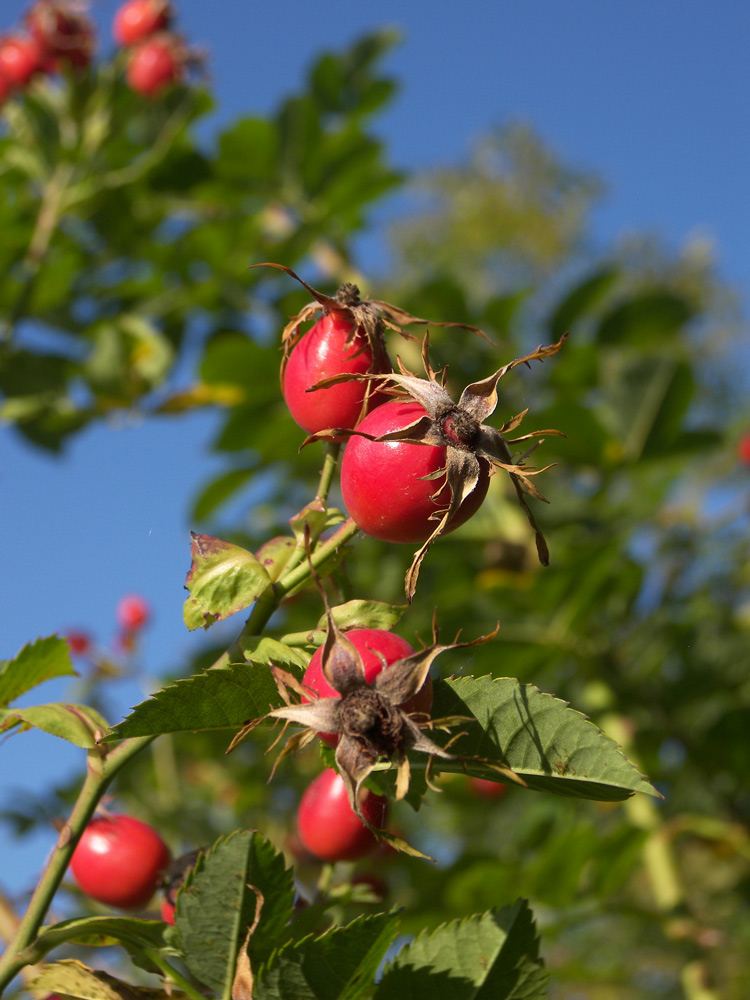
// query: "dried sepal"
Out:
[372,316]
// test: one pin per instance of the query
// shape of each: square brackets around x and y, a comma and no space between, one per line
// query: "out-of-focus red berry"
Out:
[62,32]
[155,64]
[743,449]
[167,911]
[79,642]
[487,789]
[133,612]
[5,88]
[21,58]
[137,20]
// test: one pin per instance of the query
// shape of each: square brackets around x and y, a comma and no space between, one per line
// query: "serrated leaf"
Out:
[339,965]
[77,724]
[221,698]
[37,662]
[494,956]
[70,978]
[216,906]
[223,580]
[365,614]
[550,745]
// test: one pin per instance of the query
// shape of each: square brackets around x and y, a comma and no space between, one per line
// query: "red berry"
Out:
[322,353]
[154,65]
[133,612]
[139,19]
[743,449]
[5,88]
[327,825]
[487,789]
[369,642]
[79,642]
[20,59]
[167,911]
[383,482]
[62,32]
[119,861]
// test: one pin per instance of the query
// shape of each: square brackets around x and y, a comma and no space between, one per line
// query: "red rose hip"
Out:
[329,348]
[119,861]
[383,482]
[154,65]
[327,825]
[137,20]
[371,644]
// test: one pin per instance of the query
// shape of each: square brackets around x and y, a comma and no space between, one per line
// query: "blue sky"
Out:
[652,96]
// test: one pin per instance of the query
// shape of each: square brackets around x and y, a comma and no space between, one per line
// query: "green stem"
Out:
[324,487]
[99,773]
[328,470]
[173,976]
[271,598]
[47,220]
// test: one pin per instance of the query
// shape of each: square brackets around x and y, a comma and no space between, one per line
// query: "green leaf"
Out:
[220,698]
[223,580]
[339,965]
[37,662]
[581,300]
[77,724]
[551,746]
[136,936]
[494,956]
[217,905]
[70,978]
[646,320]
[365,614]
[274,554]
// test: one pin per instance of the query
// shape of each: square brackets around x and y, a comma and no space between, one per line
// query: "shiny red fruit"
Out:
[487,789]
[20,59]
[167,911]
[368,643]
[62,32]
[383,482]
[133,612]
[120,861]
[327,826]
[139,19]
[743,449]
[322,353]
[154,65]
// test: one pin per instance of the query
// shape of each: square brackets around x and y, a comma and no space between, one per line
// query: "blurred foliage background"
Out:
[125,286]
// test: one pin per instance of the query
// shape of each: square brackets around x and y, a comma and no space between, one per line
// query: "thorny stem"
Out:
[99,773]
[272,597]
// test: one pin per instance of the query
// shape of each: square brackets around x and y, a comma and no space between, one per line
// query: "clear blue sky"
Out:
[652,96]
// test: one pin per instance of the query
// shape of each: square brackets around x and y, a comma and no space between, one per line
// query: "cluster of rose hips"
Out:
[133,613]
[58,34]
[416,466]
[157,57]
